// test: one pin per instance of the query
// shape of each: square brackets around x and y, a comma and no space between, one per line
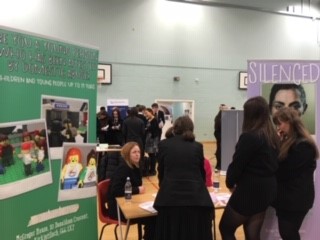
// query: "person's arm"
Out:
[124,130]
[160,162]
[162,117]
[201,166]
[208,170]
[143,129]
[243,154]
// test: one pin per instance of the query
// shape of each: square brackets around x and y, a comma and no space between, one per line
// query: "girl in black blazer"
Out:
[151,142]
[251,177]
[185,209]
[298,155]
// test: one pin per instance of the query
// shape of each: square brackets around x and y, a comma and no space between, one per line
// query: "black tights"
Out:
[289,224]
[231,220]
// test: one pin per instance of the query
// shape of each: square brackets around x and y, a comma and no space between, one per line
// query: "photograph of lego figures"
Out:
[24,157]
[78,176]
[67,121]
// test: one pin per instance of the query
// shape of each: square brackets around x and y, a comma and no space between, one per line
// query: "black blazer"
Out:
[181,174]
[295,178]
[116,188]
[160,116]
[253,174]
[133,129]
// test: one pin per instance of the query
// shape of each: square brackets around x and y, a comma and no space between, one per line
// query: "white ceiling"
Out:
[307,6]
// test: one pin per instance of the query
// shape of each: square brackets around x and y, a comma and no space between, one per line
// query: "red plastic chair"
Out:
[103,187]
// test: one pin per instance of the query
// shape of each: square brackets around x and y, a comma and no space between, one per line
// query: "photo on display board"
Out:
[78,176]
[24,157]
[300,97]
[67,121]
[173,109]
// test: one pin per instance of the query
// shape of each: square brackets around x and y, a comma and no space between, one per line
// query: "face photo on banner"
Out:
[78,176]
[24,157]
[300,97]
[67,121]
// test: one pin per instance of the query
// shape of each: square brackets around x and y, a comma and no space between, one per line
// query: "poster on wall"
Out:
[272,78]
[48,87]
[121,104]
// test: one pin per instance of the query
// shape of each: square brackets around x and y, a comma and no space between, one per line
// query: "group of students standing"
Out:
[273,165]
[142,125]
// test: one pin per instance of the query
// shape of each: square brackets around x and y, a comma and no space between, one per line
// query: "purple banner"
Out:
[298,72]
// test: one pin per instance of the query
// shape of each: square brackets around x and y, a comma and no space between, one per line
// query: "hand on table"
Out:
[142,189]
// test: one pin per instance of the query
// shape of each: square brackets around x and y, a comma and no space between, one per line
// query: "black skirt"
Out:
[253,195]
[181,223]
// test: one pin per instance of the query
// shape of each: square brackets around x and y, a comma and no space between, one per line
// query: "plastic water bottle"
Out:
[128,190]
[216,181]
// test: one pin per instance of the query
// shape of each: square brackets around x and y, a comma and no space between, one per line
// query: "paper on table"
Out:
[102,146]
[220,198]
[148,206]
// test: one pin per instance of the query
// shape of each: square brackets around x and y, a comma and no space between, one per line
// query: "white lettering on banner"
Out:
[53,214]
[46,82]
[56,228]
[117,102]
[277,73]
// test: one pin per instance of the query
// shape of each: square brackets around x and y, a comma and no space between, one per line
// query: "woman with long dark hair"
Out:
[114,132]
[298,155]
[251,176]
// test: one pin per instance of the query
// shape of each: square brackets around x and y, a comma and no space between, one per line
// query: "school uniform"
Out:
[252,173]
[185,209]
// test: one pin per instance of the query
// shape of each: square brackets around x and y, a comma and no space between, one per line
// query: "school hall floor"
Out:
[209,150]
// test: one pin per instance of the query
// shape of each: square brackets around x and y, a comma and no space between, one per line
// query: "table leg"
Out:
[127,229]
[119,221]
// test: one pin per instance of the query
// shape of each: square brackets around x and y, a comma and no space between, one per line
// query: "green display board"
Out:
[42,81]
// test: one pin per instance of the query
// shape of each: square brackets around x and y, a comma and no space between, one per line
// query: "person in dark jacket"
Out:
[151,142]
[159,115]
[102,126]
[217,135]
[298,155]
[129,168]
[133,128]
[251,176]
[114,132]
[185,209]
